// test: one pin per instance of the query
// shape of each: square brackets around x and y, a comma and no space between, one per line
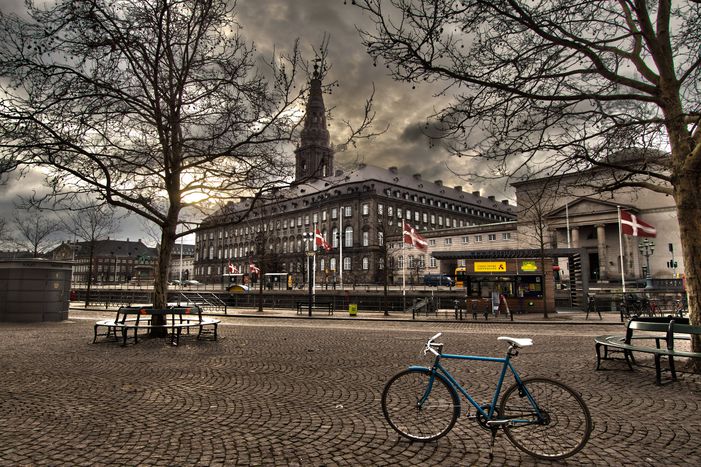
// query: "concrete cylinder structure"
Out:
[34,290]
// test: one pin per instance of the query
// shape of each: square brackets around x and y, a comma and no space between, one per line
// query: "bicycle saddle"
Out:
[523,342]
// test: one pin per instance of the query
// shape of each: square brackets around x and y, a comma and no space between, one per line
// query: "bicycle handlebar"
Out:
[430,344]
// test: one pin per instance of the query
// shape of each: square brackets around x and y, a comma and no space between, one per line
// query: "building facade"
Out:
[574,216]
[354,210]
[113,261]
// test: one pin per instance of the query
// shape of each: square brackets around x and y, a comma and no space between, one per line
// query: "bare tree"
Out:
[90,223]
[534,205]
[543,88]
[153,106]
[34,231]
[3,231]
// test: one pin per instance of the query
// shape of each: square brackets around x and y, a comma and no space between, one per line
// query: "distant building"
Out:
[113,261]
[354,211]
[182,261]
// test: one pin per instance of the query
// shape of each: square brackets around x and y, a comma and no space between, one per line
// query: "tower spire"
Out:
[314,157]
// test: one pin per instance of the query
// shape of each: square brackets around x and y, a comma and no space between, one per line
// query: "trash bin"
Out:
[353,309]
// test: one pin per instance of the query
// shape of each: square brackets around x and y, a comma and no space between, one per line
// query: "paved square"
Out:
[305,392]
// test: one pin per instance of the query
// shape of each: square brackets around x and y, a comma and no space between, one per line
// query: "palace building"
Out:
[354,210]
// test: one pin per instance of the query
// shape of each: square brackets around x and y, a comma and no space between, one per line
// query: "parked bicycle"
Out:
[633,305]
[680,308]
[542,417]
[591,306]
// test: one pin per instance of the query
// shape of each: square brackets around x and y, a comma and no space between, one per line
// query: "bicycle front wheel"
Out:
[563,428]
[420,405]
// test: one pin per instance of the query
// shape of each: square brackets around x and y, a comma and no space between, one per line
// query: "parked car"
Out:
[433,280]
[174,282]
[190,282]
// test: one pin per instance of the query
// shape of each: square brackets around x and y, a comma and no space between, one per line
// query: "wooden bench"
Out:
[140,318]
[304,305]
[640,331]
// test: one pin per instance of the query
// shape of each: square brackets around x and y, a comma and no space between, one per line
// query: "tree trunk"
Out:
[160,283]
[689,216]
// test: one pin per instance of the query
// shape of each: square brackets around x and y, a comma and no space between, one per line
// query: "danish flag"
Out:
[320,241]
[635,226]
[412,237]
[252,267]
[232,269]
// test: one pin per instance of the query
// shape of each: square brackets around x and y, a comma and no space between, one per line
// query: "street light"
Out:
[647,249]
[308,236]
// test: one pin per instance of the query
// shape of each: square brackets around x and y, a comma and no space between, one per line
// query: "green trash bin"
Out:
[353,309]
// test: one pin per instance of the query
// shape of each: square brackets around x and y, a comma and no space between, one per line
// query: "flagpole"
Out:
[314,266]
[620,247]
[340,247]
[403,267]
[567,218]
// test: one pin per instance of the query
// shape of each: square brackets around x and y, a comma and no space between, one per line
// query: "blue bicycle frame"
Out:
[506,364]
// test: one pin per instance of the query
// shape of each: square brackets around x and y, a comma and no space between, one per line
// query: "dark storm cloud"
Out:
[274,25]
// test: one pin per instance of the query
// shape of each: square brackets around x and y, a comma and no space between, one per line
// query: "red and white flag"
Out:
[412,237]
[252,267]
[635,226]
[320,241]
[232,269]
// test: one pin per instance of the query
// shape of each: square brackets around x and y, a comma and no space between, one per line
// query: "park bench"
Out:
[640,333]
[177,319]
[324,306]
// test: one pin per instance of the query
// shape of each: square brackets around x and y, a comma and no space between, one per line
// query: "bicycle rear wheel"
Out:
[566,423]
[420,406]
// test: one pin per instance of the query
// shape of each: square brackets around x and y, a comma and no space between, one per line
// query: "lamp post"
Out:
[647,249]
[309,236]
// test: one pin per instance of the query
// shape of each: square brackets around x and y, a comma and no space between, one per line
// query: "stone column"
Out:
[574,237]
[601,246]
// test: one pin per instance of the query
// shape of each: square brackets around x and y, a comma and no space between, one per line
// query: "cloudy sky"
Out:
[277,23]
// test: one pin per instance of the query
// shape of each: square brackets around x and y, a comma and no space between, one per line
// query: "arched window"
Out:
[332,264]
[366,238]
[366,263]
[347,263]
[348,237]
[322,263]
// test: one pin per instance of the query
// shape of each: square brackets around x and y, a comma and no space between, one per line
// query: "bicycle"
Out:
[591,307]
[541,417]
[679,308]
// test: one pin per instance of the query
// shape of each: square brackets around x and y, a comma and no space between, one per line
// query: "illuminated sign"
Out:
[490,266]
[529,266]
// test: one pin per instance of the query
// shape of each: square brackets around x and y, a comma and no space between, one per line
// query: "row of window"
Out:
[476,238]
[296,266]
[444,205]
[293,245]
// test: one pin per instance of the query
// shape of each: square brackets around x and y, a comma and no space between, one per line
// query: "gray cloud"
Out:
[275,24]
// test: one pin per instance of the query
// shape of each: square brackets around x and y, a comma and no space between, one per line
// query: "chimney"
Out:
[339,172]
[417,176]
[361,165]
[475,193]
[505,202]
[458,188]
[393,170]
[491,198]
[438,182]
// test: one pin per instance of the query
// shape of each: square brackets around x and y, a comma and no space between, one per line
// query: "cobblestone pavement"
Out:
[305,392]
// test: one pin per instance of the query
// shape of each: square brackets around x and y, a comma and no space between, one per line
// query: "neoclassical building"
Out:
[354,210]
[576,217]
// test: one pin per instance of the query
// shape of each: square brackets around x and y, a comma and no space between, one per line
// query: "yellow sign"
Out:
[529,266]
[353,309]
[490,266]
